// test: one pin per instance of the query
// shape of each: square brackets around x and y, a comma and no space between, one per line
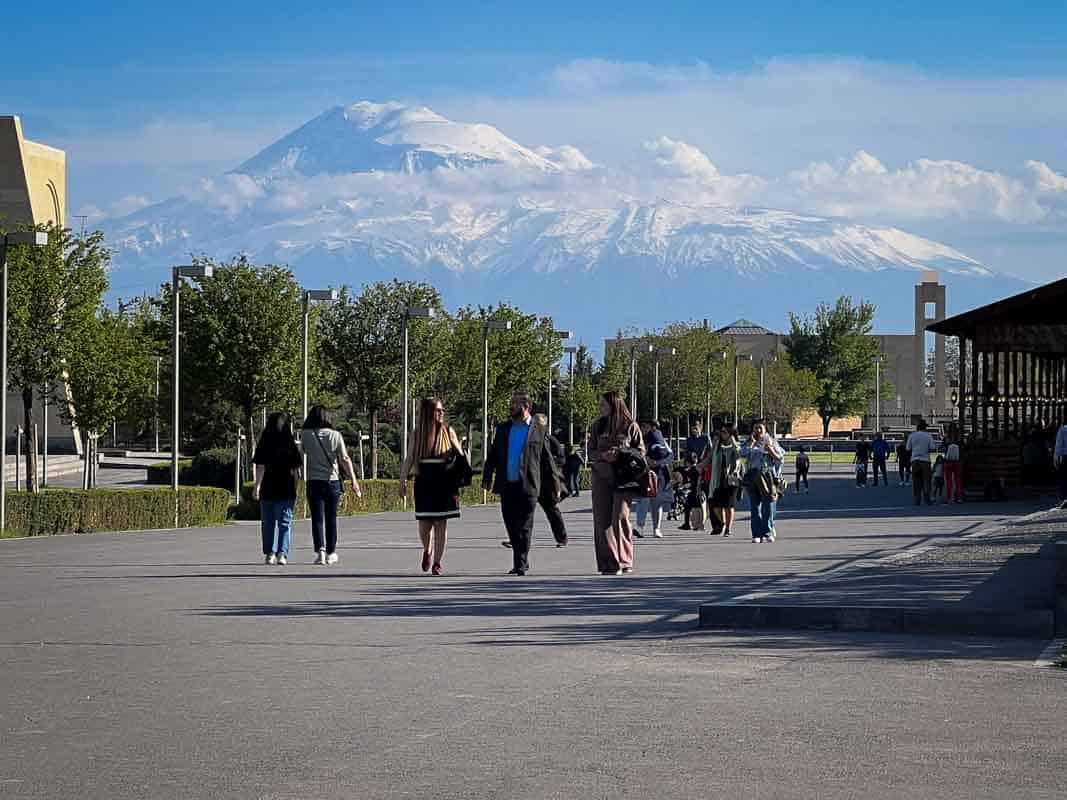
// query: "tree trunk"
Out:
[374,444]
[826,426]
[85,459]
[31,451]
[249,448]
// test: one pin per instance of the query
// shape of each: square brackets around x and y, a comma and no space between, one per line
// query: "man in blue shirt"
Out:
[879,457]
[519,466]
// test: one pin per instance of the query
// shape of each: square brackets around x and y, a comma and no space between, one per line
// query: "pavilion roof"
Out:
[1043,305]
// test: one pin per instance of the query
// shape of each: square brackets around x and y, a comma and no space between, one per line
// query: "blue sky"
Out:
[149,97]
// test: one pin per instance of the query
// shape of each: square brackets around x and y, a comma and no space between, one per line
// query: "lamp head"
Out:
[27,238]
[321,294]
[420,312]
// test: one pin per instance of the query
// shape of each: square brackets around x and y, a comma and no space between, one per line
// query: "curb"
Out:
[1036,623]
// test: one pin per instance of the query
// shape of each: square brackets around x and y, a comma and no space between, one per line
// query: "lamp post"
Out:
[488,325]
[707,389]
[410,313]
[737,397]
[878,392]
[762,365]
[570,351]
[155,418]
[634,350]
[195,272]
[562,336]
[662,351]
[17,239]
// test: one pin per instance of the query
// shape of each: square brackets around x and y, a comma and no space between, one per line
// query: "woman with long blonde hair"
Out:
[433,443]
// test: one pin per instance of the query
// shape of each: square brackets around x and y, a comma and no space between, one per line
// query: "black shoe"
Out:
[637,534]
[505,543]
[561,544]
[684,527]
[517,572]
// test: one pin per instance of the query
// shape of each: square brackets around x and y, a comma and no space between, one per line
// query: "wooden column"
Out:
[961,392]
[974,390]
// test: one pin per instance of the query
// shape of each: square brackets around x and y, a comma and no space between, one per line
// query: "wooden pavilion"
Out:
[1012,383]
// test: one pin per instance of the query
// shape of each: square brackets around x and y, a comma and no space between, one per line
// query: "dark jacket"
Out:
[537,467]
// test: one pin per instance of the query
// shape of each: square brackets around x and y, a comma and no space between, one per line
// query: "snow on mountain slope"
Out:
[387,136]
[373,191]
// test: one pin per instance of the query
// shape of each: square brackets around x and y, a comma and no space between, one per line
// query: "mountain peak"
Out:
[390,137]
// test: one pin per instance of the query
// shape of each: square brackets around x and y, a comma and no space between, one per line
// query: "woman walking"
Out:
[660,460]
[725,463]
[612,534]
[277,463]
[436,490]
[325,451]
[764,463]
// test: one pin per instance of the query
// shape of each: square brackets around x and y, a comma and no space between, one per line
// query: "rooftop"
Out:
[744,327]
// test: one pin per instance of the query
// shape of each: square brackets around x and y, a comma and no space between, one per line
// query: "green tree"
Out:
[580,403]
[107,372]
[614,373]
[361,339]
[241,332]
[787,390]
[835,344]
[53,294]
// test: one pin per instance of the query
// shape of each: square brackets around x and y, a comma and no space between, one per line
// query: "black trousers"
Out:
[1062,479]
[574,483]
[555,519]
[879,465]
[323,499]
[517,508]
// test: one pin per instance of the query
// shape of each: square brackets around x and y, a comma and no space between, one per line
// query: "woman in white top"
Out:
[764,457]
[326,452]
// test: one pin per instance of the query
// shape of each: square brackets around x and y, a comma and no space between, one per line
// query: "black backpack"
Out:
[631,470]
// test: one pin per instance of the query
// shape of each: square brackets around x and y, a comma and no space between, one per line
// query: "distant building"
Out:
[33,191]
[903,369]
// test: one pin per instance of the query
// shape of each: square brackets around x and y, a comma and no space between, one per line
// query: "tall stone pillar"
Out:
[929,290]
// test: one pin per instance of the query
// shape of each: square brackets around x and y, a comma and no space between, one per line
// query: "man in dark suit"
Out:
[519,467]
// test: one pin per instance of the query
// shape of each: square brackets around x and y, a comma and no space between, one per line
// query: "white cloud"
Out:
[681,159]
[120,208]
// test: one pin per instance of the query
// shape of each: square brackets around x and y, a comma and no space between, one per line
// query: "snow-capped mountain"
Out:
[386,136]
[370,191]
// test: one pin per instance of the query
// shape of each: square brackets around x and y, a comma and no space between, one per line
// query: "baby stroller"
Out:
[681,497]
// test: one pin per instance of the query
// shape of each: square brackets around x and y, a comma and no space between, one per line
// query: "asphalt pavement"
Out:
[177,665]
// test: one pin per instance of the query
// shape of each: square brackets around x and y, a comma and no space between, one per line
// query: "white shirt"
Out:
[952,453]
[920,443]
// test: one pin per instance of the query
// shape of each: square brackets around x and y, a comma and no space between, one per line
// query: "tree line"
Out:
[241,355]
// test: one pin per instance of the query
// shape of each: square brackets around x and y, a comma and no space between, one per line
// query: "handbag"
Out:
[631,470]
[650,482]
[458,468]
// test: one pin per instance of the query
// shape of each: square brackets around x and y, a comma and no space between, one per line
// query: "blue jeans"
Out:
[762,516]
[323,499]
[658,505]
[276,523]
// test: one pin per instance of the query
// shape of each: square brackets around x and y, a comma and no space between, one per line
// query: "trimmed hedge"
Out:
[378,496]
[159,473]
[54,511]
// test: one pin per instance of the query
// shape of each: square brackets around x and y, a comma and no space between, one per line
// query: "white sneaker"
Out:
[270,559]
[757,539]
[282,560]
[320,557]
[657,533]
[332,558]
[769,539]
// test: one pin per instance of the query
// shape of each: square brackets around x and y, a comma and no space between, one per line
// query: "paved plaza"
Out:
[177,665]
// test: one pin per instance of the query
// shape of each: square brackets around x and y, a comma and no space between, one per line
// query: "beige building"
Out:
[903,368]
[33,191]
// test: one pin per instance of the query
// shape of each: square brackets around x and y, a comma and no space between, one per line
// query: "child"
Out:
[803,464]
[939,477]
[861,473]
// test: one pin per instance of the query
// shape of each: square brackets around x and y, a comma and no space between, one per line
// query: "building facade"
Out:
[33,191]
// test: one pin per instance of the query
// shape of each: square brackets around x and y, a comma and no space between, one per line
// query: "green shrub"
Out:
[214,467]
[77,511]
[378,496]
[159,473]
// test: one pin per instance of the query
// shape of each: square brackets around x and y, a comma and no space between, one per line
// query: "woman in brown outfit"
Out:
[612,534]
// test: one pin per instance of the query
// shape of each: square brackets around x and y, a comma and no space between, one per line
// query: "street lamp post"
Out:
[878,392]
[410,313]
[155,419]
[570,351]
[24,239]
[762,365]
[707,391]
[634,350]
[563,336]
[329,295]
[488,325]
[662,351]
[737,396]
[194,271]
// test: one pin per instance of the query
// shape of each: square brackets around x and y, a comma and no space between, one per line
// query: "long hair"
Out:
[277,436]
[620,417]
[318,417]
[431,436]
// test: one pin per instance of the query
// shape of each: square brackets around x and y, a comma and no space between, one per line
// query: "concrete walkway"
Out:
[177,665]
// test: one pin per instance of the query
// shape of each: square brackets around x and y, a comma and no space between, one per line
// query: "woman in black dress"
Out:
[724,460]
[436,492]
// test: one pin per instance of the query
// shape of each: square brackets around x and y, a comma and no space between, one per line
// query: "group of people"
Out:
[930,473]
[630,465]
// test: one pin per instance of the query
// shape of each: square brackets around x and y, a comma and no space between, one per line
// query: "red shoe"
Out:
[426,561]
[437,569]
